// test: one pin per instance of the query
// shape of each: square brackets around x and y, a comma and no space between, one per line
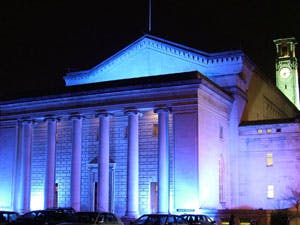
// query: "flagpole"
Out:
[149,20]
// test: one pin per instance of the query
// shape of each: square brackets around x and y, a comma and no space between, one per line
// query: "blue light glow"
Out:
[7,159]
[37,200]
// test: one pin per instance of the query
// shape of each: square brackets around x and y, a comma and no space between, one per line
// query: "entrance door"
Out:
[154,197]
[94,189]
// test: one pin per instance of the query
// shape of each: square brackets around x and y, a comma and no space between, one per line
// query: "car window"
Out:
[29,215]
[153,220]
[110,218]
[142,220]
[171,220]
[180,220]
[12,216]
[210,219]
[3,217]
[162,220]
[201,218]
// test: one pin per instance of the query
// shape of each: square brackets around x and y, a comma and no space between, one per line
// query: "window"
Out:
[259,131]
[154,197]
[269,131]
[284,50]
[270,193]
[95,196]
[155,130]
[269,159]
[221,132]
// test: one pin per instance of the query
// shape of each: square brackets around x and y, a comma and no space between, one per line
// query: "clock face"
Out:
[285,72]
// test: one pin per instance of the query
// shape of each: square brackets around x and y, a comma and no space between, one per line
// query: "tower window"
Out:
[285,86]
[284,51]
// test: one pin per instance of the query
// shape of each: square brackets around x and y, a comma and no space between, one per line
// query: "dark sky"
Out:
[41,40]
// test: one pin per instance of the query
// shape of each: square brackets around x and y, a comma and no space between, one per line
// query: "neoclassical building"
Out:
[157,127]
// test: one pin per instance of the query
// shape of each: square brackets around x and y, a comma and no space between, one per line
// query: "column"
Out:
[103,163]
[76,161]
[133,164]
[50,169]
[24,170]
[163,160]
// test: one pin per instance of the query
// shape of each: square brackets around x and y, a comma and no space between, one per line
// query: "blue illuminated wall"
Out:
[7,166]
[281,141]
[38,165]
[217,156]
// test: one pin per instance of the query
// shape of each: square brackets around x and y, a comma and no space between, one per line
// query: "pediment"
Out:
[150,56]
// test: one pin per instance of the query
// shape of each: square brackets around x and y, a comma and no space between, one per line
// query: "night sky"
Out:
[42,40]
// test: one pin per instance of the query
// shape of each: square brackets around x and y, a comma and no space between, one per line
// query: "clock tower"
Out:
[287,69]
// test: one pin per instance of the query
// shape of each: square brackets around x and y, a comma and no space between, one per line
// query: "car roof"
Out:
[3,211]
[89,212]
[159,214]
[193,215]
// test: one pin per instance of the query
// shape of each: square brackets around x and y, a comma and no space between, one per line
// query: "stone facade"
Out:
[220,138]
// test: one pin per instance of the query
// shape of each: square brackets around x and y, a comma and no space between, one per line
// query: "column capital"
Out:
[161,108]
[51,118]
[103,113]
[76,116]
[132,111]
[26,121]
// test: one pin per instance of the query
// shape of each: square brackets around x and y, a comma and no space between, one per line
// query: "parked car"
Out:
[160,219]
[198,219]
[43,217]
[8,217]
[67,210]
[104,218]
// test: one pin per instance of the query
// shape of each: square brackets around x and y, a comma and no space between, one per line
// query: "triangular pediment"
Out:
[150,56]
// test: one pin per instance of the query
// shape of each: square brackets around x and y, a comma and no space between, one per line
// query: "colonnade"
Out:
[22,192]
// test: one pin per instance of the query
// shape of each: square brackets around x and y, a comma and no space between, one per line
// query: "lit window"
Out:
[259,131]
[270,193]
[155,130]
[269,131]
[269,159]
